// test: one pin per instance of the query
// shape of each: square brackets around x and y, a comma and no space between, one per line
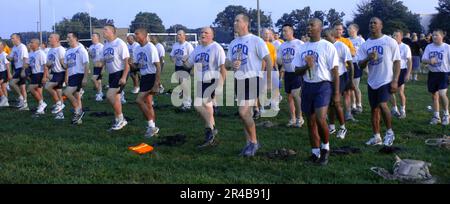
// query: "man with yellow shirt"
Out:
[267,36]
[339,33]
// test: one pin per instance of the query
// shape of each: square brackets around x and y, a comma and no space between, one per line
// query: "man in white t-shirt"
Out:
[246,54]
[115,58]
[162,53]
[437,59]
[5,76]
[96,55]
[39,74]
[181,51]
[76,61]
[209,58]
[55,63]
[345,84]
[134,73]
[146,60]
[381,54]
[405,73]
[317,61]
[19,55]
[292,82]
[357,41]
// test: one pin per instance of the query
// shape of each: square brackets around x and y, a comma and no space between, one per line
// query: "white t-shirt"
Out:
[38,59]
[326,58]
[442,55]
[251,50]
[287,52]
[114,55]
[18,53]
[180,52]
[96,52]
[405,54]
[132,47]
[344,55]
[381,70]
[3,62]
[76,58]
[53,58]
[357,43]
[211,57]
[161,51]
[277,44]
[146,56]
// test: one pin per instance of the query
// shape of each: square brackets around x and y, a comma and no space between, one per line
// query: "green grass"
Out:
[46,151]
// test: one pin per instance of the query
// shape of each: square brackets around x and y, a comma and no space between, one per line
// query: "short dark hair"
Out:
[74,34]
[17,35]
[288,25]
[112,26]
[139,30]
[338,23]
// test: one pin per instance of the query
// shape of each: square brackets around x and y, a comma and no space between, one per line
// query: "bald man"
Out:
[39,74]
[55,62]
[210,57]
[246,54]
[181,51]
[19,56]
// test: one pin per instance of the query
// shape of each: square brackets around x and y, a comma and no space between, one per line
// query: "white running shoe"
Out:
[41,108]
[118,125]
[58,108]
[151,132]
[389,139]
[341,133]
[299,123]
[4,102]
[59,116]
[135,90]
[161,89]
[291,124]
[374,141]
[445,120]
[24,107]
[98,98]
[435,121]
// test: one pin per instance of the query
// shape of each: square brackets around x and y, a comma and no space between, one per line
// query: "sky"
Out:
[23,15]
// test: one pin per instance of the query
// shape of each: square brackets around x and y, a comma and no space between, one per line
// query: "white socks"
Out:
[151,124]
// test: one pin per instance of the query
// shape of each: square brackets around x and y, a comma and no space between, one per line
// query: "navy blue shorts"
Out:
[76,81]
[147,82]
[16,75]
[437,81]
[315,95]
[59,78]
[208,89]
[36,79]
[292,82]
[343,79]
[357,71]
[183,69]
[247,89]
[416,60]
[380,95]
[402,78]
[4,76]
[114,79]
[98,72]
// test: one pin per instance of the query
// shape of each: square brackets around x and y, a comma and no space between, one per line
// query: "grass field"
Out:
[41,150]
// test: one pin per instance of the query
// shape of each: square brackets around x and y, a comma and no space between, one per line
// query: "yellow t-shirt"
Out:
[273,52]
[7,49]
[349,44]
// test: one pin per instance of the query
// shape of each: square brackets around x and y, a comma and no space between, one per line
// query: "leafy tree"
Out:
[150,21]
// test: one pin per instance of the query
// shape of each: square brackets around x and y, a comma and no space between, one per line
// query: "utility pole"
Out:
[40,21]
[259,18]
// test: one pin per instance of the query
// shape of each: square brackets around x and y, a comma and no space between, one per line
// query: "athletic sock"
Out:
[325,146]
